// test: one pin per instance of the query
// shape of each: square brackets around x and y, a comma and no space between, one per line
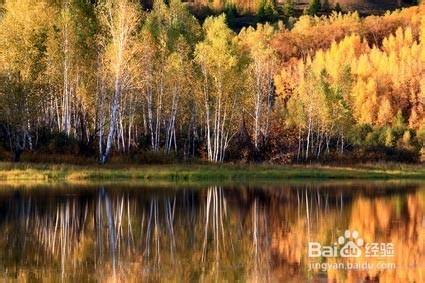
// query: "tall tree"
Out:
[262,68]
[169,36]
[218,59]
[23,33]
[71,53]
[120,20]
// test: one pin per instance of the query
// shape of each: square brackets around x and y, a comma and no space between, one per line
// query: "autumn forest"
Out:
[112,80]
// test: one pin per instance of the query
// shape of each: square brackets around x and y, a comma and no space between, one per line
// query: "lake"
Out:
[271,232]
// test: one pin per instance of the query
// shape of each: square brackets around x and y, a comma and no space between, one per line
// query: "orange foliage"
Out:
[384,79]
[312,33]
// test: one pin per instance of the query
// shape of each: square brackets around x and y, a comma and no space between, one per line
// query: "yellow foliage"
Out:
[385,78]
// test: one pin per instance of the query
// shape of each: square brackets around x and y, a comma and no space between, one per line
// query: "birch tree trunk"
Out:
[120,18]
[113,120]
[66,101]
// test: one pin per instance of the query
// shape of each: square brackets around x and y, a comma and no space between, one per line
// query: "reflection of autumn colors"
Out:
[213,234]
[397,220]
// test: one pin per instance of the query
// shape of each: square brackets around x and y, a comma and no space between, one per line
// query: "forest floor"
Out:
[206,172]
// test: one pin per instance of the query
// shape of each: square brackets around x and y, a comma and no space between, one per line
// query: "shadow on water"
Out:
[238,232]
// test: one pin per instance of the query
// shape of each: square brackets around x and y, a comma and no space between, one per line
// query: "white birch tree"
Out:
[218,61]
[120,20]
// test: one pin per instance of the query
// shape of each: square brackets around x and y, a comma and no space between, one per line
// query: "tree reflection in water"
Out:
[246,233]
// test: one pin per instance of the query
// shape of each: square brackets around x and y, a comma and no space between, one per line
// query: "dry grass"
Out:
[74,173]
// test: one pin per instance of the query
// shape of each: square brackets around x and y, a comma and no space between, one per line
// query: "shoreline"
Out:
[208,172]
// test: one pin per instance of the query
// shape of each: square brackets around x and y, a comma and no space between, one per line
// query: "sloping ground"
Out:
[369,6]
[366,7]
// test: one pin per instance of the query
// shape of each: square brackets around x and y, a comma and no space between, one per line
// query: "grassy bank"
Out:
[72,173]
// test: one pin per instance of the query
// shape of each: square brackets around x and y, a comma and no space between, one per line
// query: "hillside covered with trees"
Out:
[110,80]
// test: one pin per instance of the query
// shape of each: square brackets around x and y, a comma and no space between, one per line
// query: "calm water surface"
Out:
[232,233]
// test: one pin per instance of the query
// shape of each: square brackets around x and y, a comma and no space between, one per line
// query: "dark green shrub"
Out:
[267,12]
[314,7]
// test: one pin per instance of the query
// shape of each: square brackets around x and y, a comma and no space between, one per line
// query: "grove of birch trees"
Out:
[98,79]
